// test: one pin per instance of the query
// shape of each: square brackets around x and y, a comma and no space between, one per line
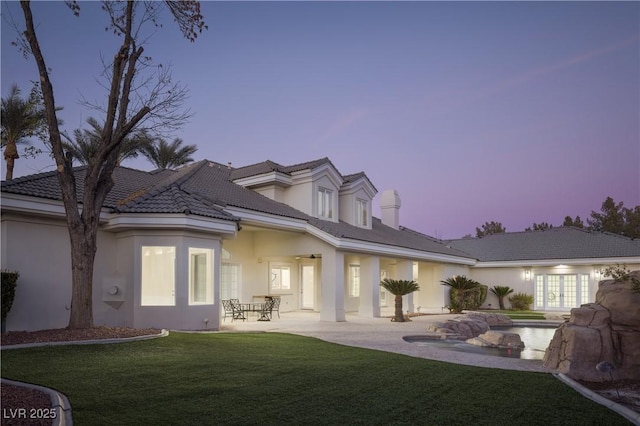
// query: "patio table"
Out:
[260,307]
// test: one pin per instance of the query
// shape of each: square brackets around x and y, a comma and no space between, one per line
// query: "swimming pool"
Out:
[536,340]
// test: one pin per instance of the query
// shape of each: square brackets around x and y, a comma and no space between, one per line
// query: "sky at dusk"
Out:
[517,112]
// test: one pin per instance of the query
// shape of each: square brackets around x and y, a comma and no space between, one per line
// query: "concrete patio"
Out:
[376,333]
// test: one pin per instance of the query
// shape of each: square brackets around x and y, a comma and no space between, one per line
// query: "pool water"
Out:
[536,340]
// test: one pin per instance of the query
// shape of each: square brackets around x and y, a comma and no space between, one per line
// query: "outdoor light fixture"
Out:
[596,273]
[527,274]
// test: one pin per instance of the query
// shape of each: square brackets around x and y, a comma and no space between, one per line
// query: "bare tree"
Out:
[127,107]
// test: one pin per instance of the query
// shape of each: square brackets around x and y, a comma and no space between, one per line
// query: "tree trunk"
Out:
[83,251]
[10,165]
[10,154]
[399,317]
[501,302]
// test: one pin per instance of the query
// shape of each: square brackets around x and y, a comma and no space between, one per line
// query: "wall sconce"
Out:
[527,274]
[597,273]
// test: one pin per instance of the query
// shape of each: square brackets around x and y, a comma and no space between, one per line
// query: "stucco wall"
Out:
[39,250]
[43,293]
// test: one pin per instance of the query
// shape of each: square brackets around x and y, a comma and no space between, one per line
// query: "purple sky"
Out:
[474,112]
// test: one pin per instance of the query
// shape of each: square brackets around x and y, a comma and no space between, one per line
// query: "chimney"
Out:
[390,206]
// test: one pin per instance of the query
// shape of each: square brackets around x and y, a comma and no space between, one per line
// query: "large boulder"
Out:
[498,339]
[469,325]
[607,330]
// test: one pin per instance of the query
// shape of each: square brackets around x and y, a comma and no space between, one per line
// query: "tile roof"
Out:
[554,243]
[205,188]
[382,234]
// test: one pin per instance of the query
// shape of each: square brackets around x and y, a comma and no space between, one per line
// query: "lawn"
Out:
[270,378]
[519,315]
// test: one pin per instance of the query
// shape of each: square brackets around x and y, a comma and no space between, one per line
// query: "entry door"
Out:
[307,287]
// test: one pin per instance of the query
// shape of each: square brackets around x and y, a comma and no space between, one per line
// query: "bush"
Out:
[470,295]
[8,284]
[521,301]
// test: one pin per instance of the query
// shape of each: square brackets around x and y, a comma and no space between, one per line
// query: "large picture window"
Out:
[200,276]
[158,276]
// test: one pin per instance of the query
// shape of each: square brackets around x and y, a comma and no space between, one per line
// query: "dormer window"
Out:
[362,212]
[325,203]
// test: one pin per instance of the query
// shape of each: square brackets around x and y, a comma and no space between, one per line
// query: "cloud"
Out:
[532,74]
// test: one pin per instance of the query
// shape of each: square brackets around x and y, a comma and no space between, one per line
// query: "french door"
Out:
[561,291]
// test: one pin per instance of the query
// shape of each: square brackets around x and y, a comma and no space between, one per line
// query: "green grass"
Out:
[270,378]
[519,315]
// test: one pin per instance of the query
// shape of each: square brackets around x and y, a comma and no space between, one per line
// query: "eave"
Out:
[556,262]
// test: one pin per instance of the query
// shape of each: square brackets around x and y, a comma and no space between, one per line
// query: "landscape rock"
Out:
[469,325]
[498,339]
[607,330]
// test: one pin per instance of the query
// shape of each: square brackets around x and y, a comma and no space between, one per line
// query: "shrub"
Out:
[501,291]
[464,293]
[8,284]
[521,301]
[620,273]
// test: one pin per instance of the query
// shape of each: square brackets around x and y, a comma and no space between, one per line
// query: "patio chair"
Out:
[236,309]
[265,312]
[228,309]
[275,307]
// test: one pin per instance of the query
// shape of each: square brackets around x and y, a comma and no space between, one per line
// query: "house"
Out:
[173,243]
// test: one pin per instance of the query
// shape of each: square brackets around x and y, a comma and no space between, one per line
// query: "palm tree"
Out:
[399,288]
[502,292]
[166,155]
[86,143]
[21,119]
[460,287]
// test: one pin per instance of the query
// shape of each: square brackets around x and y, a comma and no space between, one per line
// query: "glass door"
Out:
[307,287]
[557,291]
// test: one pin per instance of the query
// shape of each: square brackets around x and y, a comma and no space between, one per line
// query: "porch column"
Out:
[404,271]
[369,287]
[332,287]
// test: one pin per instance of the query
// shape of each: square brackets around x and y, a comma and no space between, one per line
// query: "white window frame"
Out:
[233,273]
[325,203]
[201,287]
[362,212]
[281,280]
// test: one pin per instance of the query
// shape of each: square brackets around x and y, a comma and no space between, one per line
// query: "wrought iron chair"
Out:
[265,313]
[275,307]
[237,311]
[228,309]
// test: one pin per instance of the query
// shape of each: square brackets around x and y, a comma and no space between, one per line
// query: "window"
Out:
[158,276]
[280,277]
[354,280]
[230,281]
[362,212]
[325,203]
[584,289]
[200,276]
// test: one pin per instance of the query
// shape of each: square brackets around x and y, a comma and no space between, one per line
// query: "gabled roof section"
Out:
[352,180]
[213,180]
[255,170]
[554,243]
